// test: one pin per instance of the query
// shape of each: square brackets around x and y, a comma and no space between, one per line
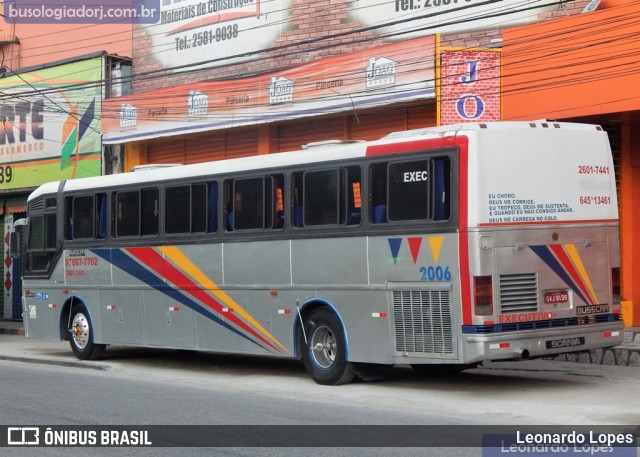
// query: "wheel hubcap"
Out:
[324,347]
[80,330]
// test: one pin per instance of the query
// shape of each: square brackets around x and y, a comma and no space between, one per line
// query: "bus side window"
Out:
[228,205]
[101,216]
[441,189]
[177,204]
[198,208]
[84,217]
[41,242]
[68,218]
[320,197]
[296,200]
[275,200]
[409,190]
[150,211]
[126,213]
[352,195]
[246,204]
[378,193]
[212,208]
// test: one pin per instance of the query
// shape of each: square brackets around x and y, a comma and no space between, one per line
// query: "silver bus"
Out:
[444,246]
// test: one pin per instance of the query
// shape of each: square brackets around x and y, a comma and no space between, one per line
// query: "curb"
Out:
[625,355]
[60,363]
[19,331]
[619,355]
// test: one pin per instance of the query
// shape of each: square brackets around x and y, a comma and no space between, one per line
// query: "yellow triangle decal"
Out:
[436,244]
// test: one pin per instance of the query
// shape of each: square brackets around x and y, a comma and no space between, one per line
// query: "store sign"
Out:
[280,90]
[51,124]
[470,86]
[194,33]
[392,73]
[128,115]
[380,72]
[197,103]
[405,19]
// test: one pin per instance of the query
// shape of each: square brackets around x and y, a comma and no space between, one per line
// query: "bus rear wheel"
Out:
[324,354]
[81,335]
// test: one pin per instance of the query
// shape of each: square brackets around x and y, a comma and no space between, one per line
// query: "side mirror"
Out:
[14,238]
[14,246]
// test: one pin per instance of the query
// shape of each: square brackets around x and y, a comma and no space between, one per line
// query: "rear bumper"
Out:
[540,343]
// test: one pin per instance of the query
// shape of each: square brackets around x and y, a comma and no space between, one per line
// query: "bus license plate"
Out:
[565,342]
[553,297]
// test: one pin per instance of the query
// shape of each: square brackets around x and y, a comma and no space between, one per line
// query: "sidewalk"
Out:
[47,351]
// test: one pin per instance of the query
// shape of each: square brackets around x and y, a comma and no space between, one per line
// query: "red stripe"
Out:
[463,221]
[562,256]
[405,146]
[583,221]
[151,258]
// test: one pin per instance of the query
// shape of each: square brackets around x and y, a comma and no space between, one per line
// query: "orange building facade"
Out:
[586,68]
[29,45]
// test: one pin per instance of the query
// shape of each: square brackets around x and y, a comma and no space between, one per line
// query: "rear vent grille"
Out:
[423,321]
[519,293]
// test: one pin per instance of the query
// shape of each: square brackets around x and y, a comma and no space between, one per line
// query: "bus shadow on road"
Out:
[201,361]
[495,377]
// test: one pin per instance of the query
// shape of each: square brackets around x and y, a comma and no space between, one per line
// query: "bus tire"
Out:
[81,335]
[324,354]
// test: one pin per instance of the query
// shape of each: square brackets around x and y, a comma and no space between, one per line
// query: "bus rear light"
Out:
[615,284]
[483,295]
[610,334]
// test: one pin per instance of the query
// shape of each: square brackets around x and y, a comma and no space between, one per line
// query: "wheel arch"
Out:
[307,309]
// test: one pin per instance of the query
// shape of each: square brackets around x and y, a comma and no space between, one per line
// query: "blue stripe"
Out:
[118,258]
[545,253]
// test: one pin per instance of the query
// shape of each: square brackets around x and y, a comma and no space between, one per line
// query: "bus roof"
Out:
[329,151]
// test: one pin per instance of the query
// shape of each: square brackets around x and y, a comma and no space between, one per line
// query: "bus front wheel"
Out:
[324,354]
[81,335]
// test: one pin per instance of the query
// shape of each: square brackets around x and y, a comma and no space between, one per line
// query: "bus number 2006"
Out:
[435,274]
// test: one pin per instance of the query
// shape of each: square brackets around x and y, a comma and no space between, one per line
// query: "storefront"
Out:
[256,78]
[585,68]
[51,132]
